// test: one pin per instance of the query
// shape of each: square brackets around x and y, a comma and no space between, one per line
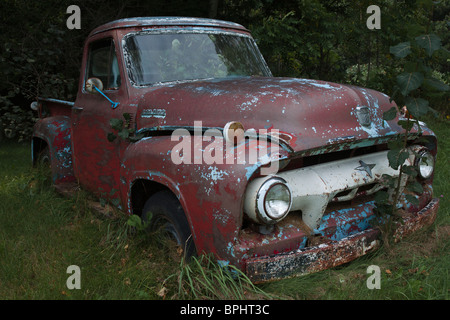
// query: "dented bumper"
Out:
[333,253]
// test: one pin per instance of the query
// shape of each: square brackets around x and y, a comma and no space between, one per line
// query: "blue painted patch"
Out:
[251,170]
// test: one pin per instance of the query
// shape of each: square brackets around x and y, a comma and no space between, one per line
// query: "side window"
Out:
[102,64]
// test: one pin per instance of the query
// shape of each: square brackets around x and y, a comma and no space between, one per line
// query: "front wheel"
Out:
[167,217]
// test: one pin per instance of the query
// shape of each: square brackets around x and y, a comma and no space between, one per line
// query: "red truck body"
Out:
[320,138]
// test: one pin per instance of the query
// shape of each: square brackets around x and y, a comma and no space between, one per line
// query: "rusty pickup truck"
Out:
[180,121]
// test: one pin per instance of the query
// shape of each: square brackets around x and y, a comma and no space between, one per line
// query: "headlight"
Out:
[273,200]
[425,164]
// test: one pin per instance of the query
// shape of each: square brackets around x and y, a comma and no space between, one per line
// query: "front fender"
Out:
[211,194]
[56,132]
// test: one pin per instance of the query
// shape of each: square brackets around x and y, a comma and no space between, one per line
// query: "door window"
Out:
[102,64]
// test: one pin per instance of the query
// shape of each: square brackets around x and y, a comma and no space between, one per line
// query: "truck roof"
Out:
[166,21]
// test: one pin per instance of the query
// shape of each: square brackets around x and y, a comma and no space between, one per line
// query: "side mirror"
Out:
[93,83]
[34,106]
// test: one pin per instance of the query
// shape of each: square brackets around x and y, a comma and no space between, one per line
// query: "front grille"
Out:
[302,162]
[364,190]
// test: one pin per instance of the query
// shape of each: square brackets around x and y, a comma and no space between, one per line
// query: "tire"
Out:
[43,159]
[167,216]
[44,167]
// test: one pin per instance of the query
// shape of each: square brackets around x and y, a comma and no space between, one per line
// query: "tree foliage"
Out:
[326,40]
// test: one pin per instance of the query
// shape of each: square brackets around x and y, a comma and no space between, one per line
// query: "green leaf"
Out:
[410,171]
[397,158]
[413,200]
[127,116]
[111,137]
[116,124]
[389,181]
[124,133]
[406,124]
[429,42]
[415,187]
[134,221]
[396,144]
[409,81]
[418,107]
[436,84]
[401,50]
[390,114]
[383,209]
[411,66]
[381,196]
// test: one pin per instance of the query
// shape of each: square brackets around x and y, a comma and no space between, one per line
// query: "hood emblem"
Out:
[365,167]
[363,114]
[153,113]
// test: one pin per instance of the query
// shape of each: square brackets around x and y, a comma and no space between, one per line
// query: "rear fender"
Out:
[56,132]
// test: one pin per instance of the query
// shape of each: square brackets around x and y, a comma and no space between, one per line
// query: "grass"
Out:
[42,233]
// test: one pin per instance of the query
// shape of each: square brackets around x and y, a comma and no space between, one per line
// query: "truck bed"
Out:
[54,107]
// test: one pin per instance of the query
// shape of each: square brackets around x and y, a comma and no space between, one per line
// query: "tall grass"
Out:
[205,278]
[42,233]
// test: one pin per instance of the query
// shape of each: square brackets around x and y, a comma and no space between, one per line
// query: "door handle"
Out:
[77,109]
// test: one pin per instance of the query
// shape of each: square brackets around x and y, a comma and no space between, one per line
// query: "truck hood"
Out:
[308,113]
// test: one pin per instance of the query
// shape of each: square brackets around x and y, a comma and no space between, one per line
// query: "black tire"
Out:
[43,159]
[44,165]
[167,216]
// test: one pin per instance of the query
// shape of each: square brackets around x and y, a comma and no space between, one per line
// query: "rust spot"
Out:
[329,254]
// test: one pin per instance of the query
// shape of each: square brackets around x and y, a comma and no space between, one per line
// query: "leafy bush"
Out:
[326,40]
[33,66]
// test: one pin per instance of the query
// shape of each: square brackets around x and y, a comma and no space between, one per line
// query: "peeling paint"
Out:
[317,123]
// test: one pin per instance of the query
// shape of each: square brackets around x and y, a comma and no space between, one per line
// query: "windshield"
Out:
[154,58]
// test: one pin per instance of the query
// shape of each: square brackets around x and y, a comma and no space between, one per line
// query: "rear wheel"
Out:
[43,159]
[166,218]
[43,164]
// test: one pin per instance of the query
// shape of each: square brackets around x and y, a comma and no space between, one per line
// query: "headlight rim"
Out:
[417,162]
[261,200]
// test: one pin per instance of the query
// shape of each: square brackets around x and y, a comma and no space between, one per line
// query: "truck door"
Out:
[96,160]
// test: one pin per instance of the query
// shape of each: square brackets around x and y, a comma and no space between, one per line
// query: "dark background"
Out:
[326,40]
